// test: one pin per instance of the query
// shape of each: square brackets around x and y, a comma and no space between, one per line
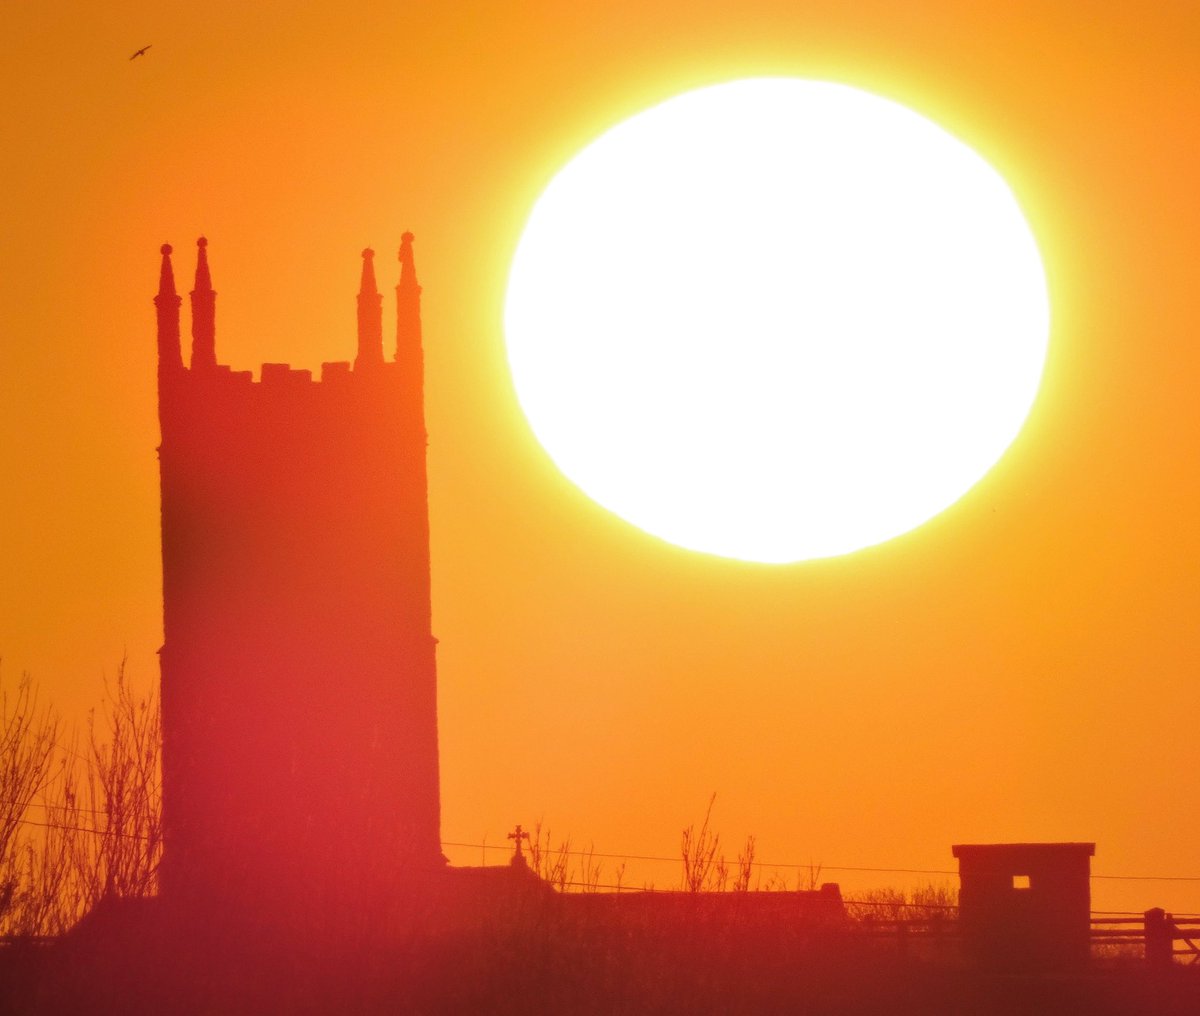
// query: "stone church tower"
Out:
[300,757]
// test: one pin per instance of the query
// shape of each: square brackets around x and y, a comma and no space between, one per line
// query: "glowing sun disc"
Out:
[776,319]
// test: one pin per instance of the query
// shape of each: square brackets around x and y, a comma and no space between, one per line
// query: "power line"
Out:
[55,807]
[678,860]
[651,889]
[84,829]
[1151,878]
[607,885]
[901,906]
[611,857]
[805,867]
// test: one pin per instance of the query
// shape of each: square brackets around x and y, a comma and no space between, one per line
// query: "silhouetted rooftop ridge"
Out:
[999,849]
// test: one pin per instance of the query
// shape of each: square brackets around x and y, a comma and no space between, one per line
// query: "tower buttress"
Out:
[370,316]
[204,312]
[166,303]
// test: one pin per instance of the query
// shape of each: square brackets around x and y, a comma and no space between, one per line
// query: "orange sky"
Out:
[1024,667]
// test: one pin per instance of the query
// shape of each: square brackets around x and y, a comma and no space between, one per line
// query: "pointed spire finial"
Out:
[370,316]
[166,275]
[368,272]
[408,269]
[203,279]
[204,312]
[166,304]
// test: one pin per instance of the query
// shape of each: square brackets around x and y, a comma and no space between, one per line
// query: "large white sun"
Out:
[776,319]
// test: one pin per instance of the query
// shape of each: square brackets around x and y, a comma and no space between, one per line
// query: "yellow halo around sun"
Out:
[776,319]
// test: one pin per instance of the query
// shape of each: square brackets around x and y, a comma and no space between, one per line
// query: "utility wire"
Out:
[614,857]
[1098,914]
[84,829]
[55,807]
[805,867]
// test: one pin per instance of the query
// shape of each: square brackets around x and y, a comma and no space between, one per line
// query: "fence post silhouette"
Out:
[1160,938]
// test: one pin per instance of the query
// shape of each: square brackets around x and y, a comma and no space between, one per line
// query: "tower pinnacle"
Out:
[204,313]
[370,316]
[166,303]
[408,305]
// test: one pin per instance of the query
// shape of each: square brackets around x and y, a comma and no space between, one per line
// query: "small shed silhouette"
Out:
[1025,905]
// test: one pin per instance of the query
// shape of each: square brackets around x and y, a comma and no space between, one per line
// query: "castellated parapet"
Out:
[300,756]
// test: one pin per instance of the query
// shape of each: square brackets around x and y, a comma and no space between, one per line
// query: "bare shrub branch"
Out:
[28,738]
[699,851]
[124,793]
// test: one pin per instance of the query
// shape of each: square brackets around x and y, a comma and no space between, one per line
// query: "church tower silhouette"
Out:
[300,757]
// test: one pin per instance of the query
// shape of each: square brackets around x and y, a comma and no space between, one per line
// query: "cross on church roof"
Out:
[518,834]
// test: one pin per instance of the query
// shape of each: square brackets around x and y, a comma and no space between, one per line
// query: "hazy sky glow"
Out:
[1021,667]
[776,319]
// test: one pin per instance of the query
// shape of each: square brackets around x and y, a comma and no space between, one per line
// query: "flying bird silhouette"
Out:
[140,52]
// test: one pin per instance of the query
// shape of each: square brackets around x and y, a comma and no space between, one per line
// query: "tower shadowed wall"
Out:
[298,675]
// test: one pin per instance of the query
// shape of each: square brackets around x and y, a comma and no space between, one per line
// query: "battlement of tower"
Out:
[278,375]
[370,364]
